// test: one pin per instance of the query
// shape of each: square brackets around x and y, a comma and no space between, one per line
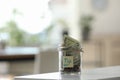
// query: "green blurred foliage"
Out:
[16,35]
[86,21]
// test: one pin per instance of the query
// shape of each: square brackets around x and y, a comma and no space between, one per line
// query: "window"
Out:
[31,15]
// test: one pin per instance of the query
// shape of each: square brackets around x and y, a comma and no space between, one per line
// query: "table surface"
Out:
[18,53]
[106,73]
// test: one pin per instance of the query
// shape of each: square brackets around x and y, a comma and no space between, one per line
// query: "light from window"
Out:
[32,16]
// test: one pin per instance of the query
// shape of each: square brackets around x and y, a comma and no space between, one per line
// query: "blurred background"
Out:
[31,30]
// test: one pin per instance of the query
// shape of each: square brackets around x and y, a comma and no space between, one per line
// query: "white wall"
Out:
[74,12]
[69,12]
[106,21]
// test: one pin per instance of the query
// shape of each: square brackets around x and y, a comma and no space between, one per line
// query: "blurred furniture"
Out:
[102,50]
[46,61]
[111,50]
[18,53]
[4,67]
[29,60]
[106,73]
[91,57]
[19,59]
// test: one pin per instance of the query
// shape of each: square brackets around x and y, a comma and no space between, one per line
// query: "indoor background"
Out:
[31,30]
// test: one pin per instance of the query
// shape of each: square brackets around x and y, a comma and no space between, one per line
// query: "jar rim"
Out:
[70,48]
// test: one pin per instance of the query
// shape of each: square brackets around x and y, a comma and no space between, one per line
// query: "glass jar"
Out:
[69,60]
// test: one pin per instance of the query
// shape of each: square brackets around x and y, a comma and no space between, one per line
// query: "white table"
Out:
[94,74]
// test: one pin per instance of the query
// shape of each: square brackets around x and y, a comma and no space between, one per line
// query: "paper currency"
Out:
[71,58]
[68,41]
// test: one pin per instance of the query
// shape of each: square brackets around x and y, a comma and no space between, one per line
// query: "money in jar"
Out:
[70,56]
